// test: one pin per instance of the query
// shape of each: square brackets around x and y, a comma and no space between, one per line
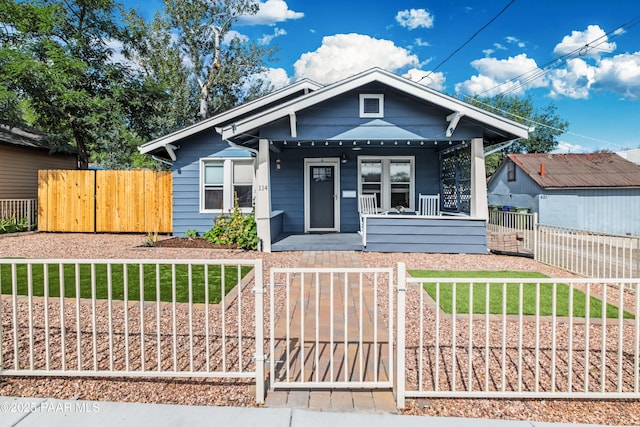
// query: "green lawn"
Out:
[513,295]
[117,278]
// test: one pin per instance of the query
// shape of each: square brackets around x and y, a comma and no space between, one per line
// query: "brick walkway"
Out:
[311,324]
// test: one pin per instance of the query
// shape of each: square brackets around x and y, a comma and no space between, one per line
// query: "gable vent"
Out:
[371,105]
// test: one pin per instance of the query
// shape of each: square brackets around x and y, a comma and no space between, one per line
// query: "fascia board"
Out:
[228,115]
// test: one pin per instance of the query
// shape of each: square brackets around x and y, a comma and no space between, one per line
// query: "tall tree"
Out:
[548,125]
[222,66]
[54,55]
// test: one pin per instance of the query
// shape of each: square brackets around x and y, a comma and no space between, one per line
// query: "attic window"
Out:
[511,171]
[371,105]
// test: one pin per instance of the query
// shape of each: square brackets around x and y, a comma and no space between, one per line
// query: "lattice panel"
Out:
[456,180]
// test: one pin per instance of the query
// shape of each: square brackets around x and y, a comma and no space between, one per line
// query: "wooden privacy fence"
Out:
[120,201]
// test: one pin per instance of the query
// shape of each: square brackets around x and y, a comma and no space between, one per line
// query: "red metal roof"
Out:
[578,170]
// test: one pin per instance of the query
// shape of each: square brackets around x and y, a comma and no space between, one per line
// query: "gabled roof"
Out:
[299,88]
[503,128]
[578,170]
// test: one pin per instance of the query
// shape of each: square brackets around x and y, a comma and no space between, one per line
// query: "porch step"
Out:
[363,401]
[318,242]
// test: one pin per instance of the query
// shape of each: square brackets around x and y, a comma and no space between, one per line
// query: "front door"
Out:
[321,191]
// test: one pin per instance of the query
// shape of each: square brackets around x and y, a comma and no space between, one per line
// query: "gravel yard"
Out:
[241,392]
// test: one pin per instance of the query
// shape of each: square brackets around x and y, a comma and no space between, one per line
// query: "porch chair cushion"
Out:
[429,205]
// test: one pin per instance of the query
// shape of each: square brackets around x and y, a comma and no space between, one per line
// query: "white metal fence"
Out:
[20,209]
[517,338]
[521,225]
[329,331]
[587,253]
[151,318]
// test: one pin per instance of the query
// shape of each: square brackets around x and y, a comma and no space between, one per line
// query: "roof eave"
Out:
[227,115]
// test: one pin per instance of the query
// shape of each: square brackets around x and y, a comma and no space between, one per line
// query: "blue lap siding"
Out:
[430,235]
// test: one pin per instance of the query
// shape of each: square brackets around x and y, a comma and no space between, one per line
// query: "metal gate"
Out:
[326,329]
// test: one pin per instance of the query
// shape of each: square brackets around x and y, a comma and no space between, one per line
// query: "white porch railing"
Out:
[520,224]
[587,253]
[20,209]
[136,318]
[563,348]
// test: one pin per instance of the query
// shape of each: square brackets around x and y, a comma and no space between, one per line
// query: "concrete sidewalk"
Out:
[23,412]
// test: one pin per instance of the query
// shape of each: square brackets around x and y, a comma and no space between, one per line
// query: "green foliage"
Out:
[13,225]
[548,125]
[191,234]
[151,239]
[234,229]
[58,73]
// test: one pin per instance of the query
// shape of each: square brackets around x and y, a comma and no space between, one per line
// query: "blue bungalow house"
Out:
[301,157]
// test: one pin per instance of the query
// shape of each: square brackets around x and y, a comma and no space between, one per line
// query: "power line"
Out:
[531,121]
[546,68]
[468,40]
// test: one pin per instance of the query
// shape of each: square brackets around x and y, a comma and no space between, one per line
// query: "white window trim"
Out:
[380,98]
[385,190]
[227,185]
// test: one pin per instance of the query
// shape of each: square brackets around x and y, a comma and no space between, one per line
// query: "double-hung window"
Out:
[391,179]
[222,180]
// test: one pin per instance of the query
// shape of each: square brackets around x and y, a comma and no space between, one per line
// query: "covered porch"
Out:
[373,134]
[313,198]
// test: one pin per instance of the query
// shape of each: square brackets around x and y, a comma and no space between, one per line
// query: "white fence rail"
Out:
[522,225]
[587,253]
[151,318]
[19,209]
[329,333]
[518,338]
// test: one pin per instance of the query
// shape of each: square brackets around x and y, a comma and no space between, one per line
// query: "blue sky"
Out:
[583,57]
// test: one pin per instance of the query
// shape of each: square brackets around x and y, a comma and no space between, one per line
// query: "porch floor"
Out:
[318,242]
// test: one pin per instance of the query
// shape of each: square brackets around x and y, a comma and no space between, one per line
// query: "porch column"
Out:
[479,203]
[263,196]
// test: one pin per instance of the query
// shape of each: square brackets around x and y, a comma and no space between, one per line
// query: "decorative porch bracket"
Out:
[293,124]
[453,119]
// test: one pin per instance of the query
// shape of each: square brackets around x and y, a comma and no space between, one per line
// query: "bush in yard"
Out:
[13,225]
[234,229]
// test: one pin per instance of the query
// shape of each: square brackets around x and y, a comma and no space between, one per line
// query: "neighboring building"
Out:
[303,154]
[631,155]
[598,192]
[24,151]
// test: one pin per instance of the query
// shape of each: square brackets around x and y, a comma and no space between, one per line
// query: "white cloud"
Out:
[575,44]
[515,40]
[487,86]
[574,81]
[494,75]
[277,76]
[434,80]
[271,12]
[232,34]
[421,43]
[565,147]
[488,52]
[499,46]
[266,39]
[343,55]
[415,18]
[620,74]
